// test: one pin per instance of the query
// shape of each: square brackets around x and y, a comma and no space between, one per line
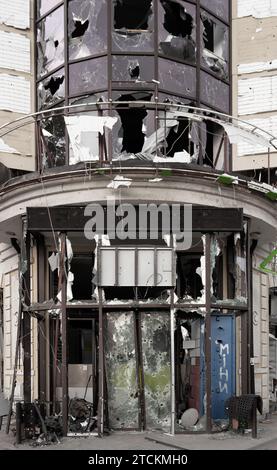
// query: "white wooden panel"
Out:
[145,267]
[257,95]
[15,13]
[15,52]
[126,267]
[254,67]
[257,8]
[15,94]
[164,267]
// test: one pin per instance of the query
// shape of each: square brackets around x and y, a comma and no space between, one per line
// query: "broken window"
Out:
[188,380]
[133,26]
[213,146]
[52,138]
[51,89]
[133,69]
[131,133]
[87,28]
[189,284]
[214,93]
[132,15]
[215,45]
[177,78]
[87,148]
[155,328]
[121,370]
[50,42]
[81,267]
[177,37]
[88,75]
[43,6]
[219,7]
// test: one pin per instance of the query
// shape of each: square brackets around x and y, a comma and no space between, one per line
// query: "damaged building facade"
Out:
[134,104]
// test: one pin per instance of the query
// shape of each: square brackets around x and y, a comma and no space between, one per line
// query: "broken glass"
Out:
[52,138]
[240,267]
[215,45]
[51,89]
[177,78]
[177,31]
[212,144]
[84,146]
[88,75]
[219,7]
[43,6]
[133,26]
[155,333]
[129,134]
[50,42]
[214,92]
[121,370]
[133,69]
[132,15]
[87,28]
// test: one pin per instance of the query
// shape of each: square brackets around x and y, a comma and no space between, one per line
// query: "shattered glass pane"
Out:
[177,78]
[50,42]
[133,26]
[155,331]
[215,45]
[88,75]
[135,122]
[121,370]
[240,267]
[132,15]
[177,30]
[51,89]
[214,92]
[52,138]
[217,249]
[133,69]
[43,6]
[87,28]
[219,7]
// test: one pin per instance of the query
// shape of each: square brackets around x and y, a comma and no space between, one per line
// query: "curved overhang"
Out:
[170,184]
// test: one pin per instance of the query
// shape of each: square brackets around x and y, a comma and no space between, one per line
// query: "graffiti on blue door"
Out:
[223,359]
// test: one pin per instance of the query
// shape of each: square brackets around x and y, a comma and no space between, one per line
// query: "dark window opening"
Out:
[132,14]
[54,84]
[180,25]
[179,139]
[176,20]
[213,146]
[81,267]
[208,35]
[80,28]
[189,282]
[134,71]
[132,122]
[80,336]
[215,46]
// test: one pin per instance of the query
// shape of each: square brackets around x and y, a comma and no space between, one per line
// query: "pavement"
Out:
[122,440]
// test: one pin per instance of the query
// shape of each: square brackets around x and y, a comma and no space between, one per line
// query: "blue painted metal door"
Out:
[223,366]
[223,362]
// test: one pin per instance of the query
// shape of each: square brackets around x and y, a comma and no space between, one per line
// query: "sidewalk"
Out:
[267,434]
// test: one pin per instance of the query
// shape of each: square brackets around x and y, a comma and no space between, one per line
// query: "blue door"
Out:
[223,366]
